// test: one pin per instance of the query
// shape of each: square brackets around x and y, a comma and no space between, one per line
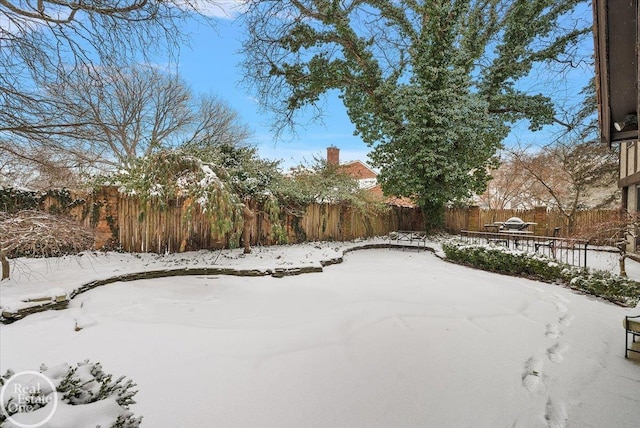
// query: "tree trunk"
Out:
[433,214]
[623,271]
[5,265]
[248,217]
[571,224]
[622,247]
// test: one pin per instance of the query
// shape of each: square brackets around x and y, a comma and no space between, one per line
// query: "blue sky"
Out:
[211,66]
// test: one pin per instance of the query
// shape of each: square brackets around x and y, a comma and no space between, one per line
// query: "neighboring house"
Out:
[616,34]
[367,177]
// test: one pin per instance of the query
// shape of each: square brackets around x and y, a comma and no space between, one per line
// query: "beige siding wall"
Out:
[630,165]
[623,160]
[629,158]
[632,198]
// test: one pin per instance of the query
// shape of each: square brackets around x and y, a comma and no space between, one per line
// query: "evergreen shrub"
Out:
[493,258]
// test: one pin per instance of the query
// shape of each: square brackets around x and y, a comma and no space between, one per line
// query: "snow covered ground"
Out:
[389,338]
[37,278]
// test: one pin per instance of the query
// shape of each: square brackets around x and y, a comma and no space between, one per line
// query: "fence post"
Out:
[540,217]
[473,222]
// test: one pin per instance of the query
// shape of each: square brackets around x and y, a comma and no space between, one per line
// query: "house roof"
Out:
[358,169]
[615,29]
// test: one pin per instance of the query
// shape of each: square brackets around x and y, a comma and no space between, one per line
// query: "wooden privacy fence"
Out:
[148,230]
[170,230]
[474,219]
[122,222]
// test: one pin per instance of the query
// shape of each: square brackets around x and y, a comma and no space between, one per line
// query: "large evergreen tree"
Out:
[431,85]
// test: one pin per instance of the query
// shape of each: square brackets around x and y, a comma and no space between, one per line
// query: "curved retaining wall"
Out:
[62,302]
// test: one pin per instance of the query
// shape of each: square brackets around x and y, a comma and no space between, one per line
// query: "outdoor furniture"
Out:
[551,243]
[632,328]
[516,234]
[513,227]
[408,238]
[567,250]
[493,227]
[497,239]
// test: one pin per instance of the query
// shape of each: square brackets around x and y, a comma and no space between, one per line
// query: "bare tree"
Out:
[38,233]
[48,41]
[510,187]
[620,231]
[217,125]
[571,176]
[38,168]
[574,171]
[123,113]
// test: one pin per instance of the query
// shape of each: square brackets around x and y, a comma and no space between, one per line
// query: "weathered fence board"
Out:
[585,222]
[121,221]
[145,229]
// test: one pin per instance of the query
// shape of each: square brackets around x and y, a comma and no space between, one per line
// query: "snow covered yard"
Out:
[387,339]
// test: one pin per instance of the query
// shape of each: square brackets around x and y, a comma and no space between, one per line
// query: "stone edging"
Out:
[61,302]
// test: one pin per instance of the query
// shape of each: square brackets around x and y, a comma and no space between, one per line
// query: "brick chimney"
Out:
[333,155]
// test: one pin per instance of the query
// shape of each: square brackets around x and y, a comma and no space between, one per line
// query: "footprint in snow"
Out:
[532,376]
[566,320]
[561,307]
[555,353]
[556,414]
[553,331]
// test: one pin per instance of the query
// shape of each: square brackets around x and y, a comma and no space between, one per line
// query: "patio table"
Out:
[513,227]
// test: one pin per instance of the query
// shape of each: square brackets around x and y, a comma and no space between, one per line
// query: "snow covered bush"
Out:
[502,260]
[86,396]
[168,175]
[605,284]
[497,259]
[230,184]
[40,234]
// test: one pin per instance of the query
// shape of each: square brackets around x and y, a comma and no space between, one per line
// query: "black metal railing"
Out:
[566,250]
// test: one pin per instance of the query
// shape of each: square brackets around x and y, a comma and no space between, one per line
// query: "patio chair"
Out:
[632,328]
[551,243]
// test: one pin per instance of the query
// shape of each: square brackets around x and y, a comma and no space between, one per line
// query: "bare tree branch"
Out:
[40,234]
[46,43]
[116,114]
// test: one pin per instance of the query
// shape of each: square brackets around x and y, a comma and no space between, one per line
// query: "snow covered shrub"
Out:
[39,234]
[497,259]
[84,393]
[612,287]
[501,260]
